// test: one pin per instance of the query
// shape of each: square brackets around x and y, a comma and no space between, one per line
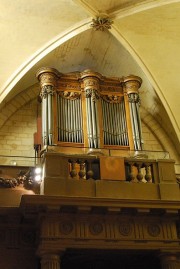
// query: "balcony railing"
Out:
[98,175]
[81,168]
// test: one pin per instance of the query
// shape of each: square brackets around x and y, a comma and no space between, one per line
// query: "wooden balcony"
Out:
[99,176]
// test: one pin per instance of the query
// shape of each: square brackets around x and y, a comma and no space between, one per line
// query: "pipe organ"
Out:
[86,109]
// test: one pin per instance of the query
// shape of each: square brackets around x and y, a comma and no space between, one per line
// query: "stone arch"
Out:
[17,102]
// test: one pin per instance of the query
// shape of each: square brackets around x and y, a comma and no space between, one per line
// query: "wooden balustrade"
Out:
[139,171]
[89,168]
[82,168]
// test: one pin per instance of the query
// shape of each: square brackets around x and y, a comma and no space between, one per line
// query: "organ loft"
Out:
[101,192]
[102,201]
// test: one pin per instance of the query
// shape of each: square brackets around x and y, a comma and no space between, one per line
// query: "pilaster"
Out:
[170,261]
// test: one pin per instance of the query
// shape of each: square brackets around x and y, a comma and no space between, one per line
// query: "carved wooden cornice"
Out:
[88,80]
[37,202]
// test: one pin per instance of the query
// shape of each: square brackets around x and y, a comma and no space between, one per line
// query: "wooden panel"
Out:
[112,168]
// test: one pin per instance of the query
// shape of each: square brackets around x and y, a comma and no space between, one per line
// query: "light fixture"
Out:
[37,174]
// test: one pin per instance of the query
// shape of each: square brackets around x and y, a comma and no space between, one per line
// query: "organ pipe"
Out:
[48,81]
[69,118]
[92,123]
[47,114]
[132,85]
[114,123]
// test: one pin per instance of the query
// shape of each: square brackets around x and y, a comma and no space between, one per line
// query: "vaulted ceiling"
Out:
[144,40]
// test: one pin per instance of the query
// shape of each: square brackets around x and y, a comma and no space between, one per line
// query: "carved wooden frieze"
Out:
[65,85]
[70,95]
[112,98]
[88,80]
[16,237]
[113,228]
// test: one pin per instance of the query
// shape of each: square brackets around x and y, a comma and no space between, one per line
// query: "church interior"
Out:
[89,134]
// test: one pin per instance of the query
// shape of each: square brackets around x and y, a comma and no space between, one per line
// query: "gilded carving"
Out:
[93,94]
[133,98]
[46,89]
[132,84]
[70,86]
[70,95]
[90,82]
[112,98]
[47,76]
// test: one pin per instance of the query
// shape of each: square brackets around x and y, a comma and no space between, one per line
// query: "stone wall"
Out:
[17,135]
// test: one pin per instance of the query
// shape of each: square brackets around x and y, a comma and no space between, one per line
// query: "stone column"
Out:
[169,261]
[50,261]
[132,85]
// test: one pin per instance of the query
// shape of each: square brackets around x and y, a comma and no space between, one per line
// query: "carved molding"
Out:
[46,89]
[88,80]
[48,76]
[132,84]
[69,87]
[154,230]
[70,95]
[112,98]
[125,228]
[133,98]
[96,228]
[113,228]
[94,94]
[112,88]
[66,227]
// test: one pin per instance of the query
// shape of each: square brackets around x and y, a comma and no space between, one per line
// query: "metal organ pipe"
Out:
[43,120]
[89,122]
[105,135]
[47,119]
[69,118]
[125,125]
[133,99]
[48,81]
[118,129]
[62,119]
[114,123]
[92,118]
[74,121]
[50,118]
[79,116]
[132,84]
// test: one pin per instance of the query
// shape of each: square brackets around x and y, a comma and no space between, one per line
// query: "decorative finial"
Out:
[101,23]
